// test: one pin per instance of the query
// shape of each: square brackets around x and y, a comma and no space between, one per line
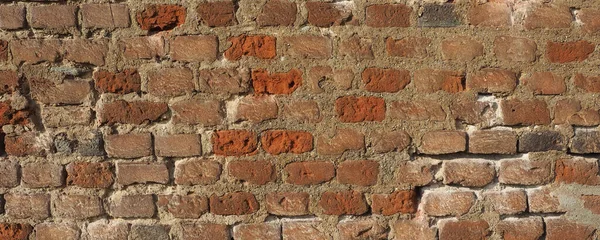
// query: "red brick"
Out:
[361,172]
[352,109]
[543,200]
[53,16]
[362,229]
[525,112]
[308,46]
[266,231]
[90,174]
[388,15]
[236,203]
[589,19]
[131,206]
[32,51]
[302,230]
[433,80]
[256,172]
[587,83]
[133,145]
[415,173]
[104,15]
[309,173]
[592,203]
[204,231]
[441,203]
[323,14]
[277,13]
[287,203]
[135,112]
[8,115]
[265,82]
[259,46]
[468,172]
[178,145]
[123,82]
[56,231]
[396,202]
[217,14]
[234,142]
[464,229]
[9,174]
[86,51]
[15,231]
[565,52]
[143,47]
[417,110]
[183,206]
[302,111]
[531,228]
[343,203]
[171,82]
[77,206]
[340,141]
[256,109]
[12,17]
[197,172]
[225,80]
[32,206]
[281,141]
[408,47]
[161,17]
[491,14]
[493,142]
[357,48]
[577,170]
[443,142]
[524,172]
[69,92]
[545,83]
[387,141]
[491,80]
[385,80]
[506,202]
[142,172]
[461,49]
[194,48]
[560,228]
[40,175]
[197,111]
[23,145]
[108,231]
[548,16]
[514,49]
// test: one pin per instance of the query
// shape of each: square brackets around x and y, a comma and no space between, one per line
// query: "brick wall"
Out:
[293,119]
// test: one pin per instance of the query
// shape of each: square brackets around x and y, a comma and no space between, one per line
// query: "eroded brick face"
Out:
[291,119]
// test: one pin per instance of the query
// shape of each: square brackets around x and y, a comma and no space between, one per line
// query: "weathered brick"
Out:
[141,172]
[282,141]
[89,174]
[146,232]
[204,231]
[40,175]
[560,228]
[59,16]
[490,80]
[26,144]
[287,203]
[135,112]
[415,173]
[309,46]
[266,231]
[354,109]
[9,174]
[12,17]
[491,14]
[234,142]
[362,229]
[591,203]
[438,15]
[343,203]
[588,17]
[259,46]
[161,17]
[256,109]
[27,206]
[524,172]
[525,112]
[143,47]
[566,52]
[32,51]
[357,48]
[569,111]
[15,231]
[544,83]
[225,80]
[56,231]
[530,228]
[408,47]
[385,80]
[543,200]
[277,13]
[433,80]
[577,170]
[4,50]
[506,202]
[194,48]
[387,141]
[131,206]
[359,172]
[540,141]
[468,172]
[197,172]
[417,110]
[415,230]
[395,202]
[309,173]
[236,203]
[178,145]
[585,142]
[464,229]
[493,142]
[265,82]
[388,15]
[548,16]
[298,230]
[183,206]
[171,82]
[443,142]
[197,111]
[67,92]
[217,14]
[302,111]
[133,145]
[104,15]
[77,206]
[461,49]
[256,172]
[86,51]
[340,141]
[515,49]
[322,14]
[442,203]
[587,83]
[123,82]
[104,230]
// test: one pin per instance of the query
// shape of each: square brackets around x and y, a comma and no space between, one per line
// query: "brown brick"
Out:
[12,17]
[259,46]
[415,173]
[388,15]
[266,231]
[357,48]
[256,172]
[492,80]
[408,47]
[592,203]
[530,228]
[569,111]
[543,200]
[39,175]
[53,16]
[461,49]
[287,203]
[308,46]
[4,50]
[77,206]
[104,15]
[160,17]
[131,206]
[387,141]
[204,231]
[524,172]
[407,229]
[433,80]
[468,172]
[277,13]
[225,80]
[302,111]
[587,83]
[265,82]
[217,14]
[234,142]
[396,202]
[89,174]
[322,14]
[514,49]
[588,17]
[352,109]
[340,141]
[360,172]
[65,116]
[560,228]
[566,52]
[299,230]
[441,203]
[464,229]
[443,142]
[197,111]
[197,172]
[15,231]
[343,203]
[194,48]
[171,82]
[128,145]
[525,112]
[32,51]
[26,144]
[577,170]
[32,206]
[362,229]
[385,80]
[108,231]
[417,110]
[544,83]
[56,231]
[9,174]
[548,16]
[309,173]
[491,14]
[257,109]
[142,172]
[136,112]
[183,206]
[69,92]
[506,202]
[178,145]
[493,142]
[123,82]
[472,111]
[143,47]
[236,203]
[86,51]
